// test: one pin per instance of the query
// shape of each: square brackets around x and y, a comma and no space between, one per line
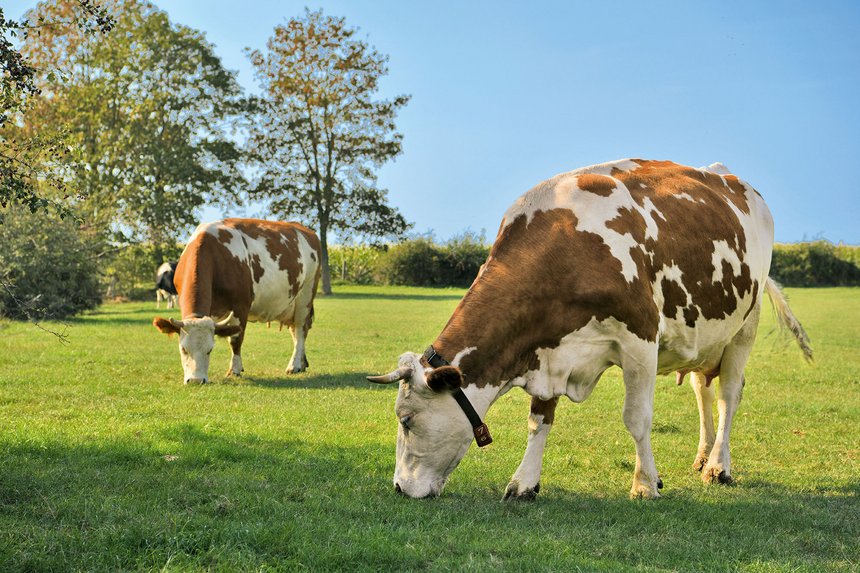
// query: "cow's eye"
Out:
[405,421]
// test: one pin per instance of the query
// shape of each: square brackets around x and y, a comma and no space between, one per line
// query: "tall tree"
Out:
[29,164]
[154,115]
[322,132]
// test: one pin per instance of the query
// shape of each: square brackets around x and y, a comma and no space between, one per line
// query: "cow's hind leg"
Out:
[236,340]
[705,401]
[640,375]
[718,468]
[299,330]
[525,483]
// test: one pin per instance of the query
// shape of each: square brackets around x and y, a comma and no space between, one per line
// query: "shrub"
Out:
[355,264]
[818,263]
[48,268]
[422,262]
[130,269]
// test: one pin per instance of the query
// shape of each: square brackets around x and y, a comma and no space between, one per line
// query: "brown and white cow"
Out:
[648,265]
[237,270]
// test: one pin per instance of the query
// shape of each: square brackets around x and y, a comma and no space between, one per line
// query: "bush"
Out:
[818,263]
[421,262]
[130,270]
[355,264]
[48,270]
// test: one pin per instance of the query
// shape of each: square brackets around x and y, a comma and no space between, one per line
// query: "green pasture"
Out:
[109,462]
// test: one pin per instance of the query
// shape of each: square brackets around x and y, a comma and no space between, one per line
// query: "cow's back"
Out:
[265,265]
[674,255]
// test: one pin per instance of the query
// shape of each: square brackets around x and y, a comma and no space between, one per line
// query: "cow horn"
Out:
[226,322]
[177,323]
[399,374]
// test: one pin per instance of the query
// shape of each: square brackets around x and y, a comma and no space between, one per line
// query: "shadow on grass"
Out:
[308,382]
[188,495]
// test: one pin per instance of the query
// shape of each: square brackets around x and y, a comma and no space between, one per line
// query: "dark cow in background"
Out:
[164,288]
[239,270]
[648,265]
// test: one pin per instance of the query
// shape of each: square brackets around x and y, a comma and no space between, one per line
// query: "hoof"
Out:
[644,492]
[292,370]
[230,373]
[527,495]
[700,463]
[717,475]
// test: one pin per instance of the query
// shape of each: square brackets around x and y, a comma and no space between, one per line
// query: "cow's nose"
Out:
[195,380]
[398,489]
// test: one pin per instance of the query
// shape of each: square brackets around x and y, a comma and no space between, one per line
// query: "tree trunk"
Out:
[326,274]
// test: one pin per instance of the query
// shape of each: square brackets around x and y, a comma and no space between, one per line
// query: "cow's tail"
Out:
[786,318]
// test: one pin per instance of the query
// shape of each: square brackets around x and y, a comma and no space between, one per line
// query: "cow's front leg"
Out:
[705,401]
[640,376]
[525,483]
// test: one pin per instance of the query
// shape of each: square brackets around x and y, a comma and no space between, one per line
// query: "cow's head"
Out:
[196,341]
[432,434]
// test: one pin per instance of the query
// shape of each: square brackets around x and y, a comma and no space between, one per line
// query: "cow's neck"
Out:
[195,299]
[487,337]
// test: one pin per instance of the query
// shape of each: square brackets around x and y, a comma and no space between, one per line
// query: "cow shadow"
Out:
[392,296]
[308,382]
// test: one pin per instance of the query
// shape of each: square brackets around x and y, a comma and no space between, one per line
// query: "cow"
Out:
[239,270]
[651,266]
[164,289]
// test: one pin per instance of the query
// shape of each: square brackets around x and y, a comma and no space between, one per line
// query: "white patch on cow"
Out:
[717,168]
[439,434]
[164,268]
[196,341]
[607,168]
[685,196]
[459,356]
[723,252]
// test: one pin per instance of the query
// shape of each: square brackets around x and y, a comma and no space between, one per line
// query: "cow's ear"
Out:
[165,325]
[445,379]
[227,330]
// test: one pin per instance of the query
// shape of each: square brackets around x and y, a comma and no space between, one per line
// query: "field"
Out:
[108,462]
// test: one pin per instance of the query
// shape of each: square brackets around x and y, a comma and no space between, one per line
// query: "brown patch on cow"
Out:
[256,268]
[225,236]
[597,184]
[573,278]
[545,408]
[165,326]
[674,298]
[547,280]
[754,298]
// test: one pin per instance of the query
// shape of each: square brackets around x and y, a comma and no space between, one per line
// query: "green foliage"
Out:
[48,269]
[418,262]
[129,270]
[818,263]
[321,132]
[356,264]
[110,463]
[34,166]
[153,113]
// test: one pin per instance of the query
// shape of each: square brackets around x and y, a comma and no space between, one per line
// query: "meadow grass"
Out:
[109,462]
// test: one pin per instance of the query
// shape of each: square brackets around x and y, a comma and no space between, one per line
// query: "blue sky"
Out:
[506,94]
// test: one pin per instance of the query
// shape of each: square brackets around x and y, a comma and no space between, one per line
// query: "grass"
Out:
[108,462]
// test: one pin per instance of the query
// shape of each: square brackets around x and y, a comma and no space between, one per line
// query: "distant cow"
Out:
[647,265]
[164,289]
[237,270]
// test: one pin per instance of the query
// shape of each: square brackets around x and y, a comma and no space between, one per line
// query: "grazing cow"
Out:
[647,265]
[164,289]
[237,270]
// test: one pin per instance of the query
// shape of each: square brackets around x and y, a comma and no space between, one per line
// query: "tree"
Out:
[29,164]
[154,115]
[321,133]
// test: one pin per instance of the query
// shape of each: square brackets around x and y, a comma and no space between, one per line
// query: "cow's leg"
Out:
[705,401]
[157,298]
[299,330]
[718,468]
[640,376]
[236,340]
[525,483]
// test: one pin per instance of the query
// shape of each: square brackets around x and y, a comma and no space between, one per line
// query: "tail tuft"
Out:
[786,318]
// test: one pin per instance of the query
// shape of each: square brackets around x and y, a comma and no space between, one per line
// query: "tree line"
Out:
[119,125]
